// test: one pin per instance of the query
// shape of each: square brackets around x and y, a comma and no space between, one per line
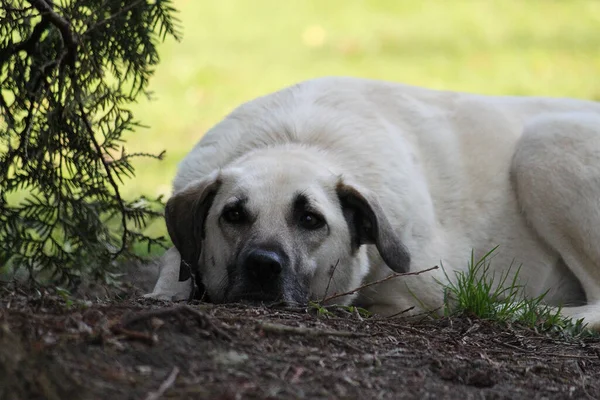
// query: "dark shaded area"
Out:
[127,349]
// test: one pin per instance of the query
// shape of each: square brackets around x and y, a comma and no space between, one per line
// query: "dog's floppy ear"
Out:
[369,225]
[185,214]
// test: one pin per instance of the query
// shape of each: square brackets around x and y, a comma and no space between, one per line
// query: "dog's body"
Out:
[445,173]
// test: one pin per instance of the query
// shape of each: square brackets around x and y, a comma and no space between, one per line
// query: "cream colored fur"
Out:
[453,172]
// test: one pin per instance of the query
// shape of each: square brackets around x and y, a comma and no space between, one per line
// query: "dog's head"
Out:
[279,225]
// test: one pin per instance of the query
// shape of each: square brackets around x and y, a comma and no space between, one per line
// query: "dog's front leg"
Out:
[168,286]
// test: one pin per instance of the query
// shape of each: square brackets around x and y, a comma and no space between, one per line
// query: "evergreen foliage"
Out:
[68,70]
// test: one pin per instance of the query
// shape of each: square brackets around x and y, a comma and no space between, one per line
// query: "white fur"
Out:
[454,172]
[168,286]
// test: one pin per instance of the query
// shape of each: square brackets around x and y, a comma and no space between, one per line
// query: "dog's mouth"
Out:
[285,292]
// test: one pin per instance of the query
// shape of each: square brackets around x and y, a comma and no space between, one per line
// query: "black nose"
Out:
[263,266]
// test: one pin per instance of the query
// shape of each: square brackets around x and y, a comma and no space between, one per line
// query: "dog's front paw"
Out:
[167,296]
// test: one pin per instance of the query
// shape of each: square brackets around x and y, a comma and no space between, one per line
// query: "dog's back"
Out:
[361,116]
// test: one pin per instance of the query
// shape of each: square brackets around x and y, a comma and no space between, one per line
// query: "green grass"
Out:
[235,50]
[482,293]
[479,292]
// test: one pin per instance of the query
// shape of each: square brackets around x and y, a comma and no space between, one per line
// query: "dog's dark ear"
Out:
[369,225]
[185,214]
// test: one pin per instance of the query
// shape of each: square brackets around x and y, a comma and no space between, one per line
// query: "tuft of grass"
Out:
[479,292]
[320,309]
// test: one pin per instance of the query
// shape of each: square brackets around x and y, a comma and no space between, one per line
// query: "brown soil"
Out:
[140,349]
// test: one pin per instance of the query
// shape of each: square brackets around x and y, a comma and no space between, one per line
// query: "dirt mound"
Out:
[134,349]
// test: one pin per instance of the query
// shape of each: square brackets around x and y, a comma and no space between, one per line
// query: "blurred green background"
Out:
[235,50]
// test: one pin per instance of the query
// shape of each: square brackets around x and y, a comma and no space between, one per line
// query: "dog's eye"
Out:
[311,221]
[234,216]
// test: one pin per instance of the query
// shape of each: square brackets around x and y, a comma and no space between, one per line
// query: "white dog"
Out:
[338,181]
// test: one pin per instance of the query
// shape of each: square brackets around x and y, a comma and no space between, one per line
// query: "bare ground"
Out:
[141,349]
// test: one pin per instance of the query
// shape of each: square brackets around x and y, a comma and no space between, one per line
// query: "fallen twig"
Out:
[332,271]
[366,285]
[401,312]
[544,357]
[164,386]
[203,320]
[305,331]
[388,323]
[134,335]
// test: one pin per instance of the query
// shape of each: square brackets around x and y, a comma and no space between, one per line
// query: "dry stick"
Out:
[304,331]
[383,322]
[129,319]
[331,277]
[133,335]
[204,320]
[164,386]
[540,356]
[366,285]
[401,312]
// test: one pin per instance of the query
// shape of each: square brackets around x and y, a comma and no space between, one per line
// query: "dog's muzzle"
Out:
[263,267]
[260,275]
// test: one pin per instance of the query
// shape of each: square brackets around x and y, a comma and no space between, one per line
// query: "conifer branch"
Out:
[60,119]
